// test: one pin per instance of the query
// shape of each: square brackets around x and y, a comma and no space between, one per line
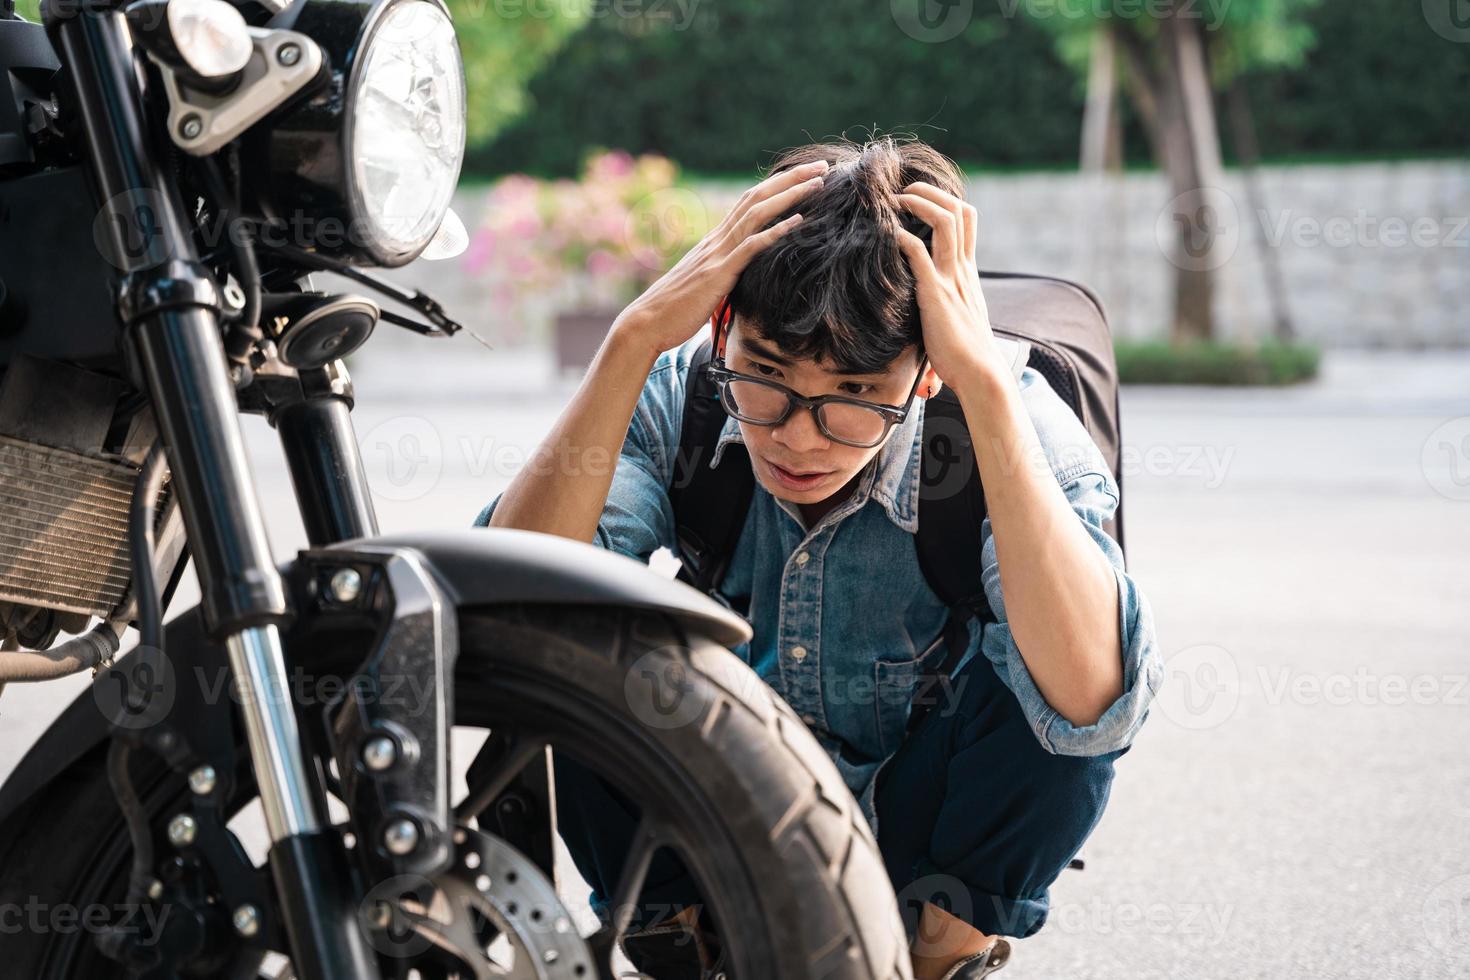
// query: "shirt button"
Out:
[809,719]
[803,558]
[798,653]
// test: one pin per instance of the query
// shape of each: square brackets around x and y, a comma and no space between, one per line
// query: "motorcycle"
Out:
[173,174]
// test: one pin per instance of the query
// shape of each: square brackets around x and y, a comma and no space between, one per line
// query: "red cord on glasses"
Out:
[720,319]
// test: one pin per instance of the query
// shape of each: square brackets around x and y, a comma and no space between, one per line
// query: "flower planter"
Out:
[578,335]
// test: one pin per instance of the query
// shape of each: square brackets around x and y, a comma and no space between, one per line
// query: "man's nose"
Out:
[800,432]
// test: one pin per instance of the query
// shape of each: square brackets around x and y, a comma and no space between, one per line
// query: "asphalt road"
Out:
[1297,804]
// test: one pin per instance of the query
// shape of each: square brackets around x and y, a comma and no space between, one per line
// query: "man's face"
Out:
[794,460]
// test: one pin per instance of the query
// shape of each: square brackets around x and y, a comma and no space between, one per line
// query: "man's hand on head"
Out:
[677,306]
[955,322]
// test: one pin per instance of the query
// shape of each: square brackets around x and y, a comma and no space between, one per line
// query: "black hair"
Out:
[837,287]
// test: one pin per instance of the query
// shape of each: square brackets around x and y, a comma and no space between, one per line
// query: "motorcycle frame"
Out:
[170,308]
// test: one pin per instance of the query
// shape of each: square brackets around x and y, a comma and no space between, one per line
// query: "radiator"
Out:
[64,528]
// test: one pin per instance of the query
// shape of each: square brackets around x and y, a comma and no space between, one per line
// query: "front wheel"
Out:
[724,775]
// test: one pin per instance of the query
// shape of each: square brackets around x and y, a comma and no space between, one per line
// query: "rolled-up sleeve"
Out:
[1093,494]
[637,518]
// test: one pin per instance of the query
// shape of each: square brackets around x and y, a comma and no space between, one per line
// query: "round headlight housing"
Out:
[406,125]
[364,166]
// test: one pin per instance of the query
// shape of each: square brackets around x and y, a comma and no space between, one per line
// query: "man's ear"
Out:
[930,384]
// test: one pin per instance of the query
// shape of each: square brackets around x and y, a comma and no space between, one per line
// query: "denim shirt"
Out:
[842,618]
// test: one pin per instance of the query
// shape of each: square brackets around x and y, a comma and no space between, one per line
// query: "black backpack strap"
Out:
[951,511]
[951,506]
[709,504]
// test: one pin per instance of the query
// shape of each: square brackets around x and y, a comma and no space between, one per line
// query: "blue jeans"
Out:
[973,815]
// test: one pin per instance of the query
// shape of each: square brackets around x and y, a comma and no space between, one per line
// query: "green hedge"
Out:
[1160,363]
[749,77]
[746,78]
[1379,82]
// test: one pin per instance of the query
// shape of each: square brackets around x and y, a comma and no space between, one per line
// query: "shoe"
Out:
[982,964]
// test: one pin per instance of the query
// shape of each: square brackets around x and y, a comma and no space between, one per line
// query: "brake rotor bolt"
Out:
[401,837]
[289,54]
[246,920]
[155,890]
[191,127]
[379,753]
[181,830]
[202,780]
[346,584]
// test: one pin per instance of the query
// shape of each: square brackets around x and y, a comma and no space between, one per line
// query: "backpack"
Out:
[1067,340]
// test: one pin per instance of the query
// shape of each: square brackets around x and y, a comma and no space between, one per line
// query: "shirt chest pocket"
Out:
[894,682]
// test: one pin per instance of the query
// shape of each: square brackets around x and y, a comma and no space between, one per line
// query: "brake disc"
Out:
[492,915]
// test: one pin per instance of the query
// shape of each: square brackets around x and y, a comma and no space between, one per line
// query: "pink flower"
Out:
[610,166]
[525,226]
[481,249]
[601,263]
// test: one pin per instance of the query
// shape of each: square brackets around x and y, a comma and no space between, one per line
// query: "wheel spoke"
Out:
[630,885]
[635,871]
[513,757]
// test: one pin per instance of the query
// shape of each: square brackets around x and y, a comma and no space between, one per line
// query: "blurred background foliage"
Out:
[504,45]
[734,81]
[720,85]
[1245,35]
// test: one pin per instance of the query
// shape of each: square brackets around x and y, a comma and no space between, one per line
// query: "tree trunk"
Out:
[1101,108]
[1102,159]
[1192,153]
[1175,104]
[1243,128]
[1143,89]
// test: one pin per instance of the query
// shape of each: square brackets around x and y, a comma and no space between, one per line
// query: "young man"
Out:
[851,272]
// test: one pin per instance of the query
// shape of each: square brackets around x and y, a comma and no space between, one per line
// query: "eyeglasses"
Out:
[850,421]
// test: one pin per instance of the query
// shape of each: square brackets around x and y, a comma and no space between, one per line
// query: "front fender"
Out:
[474,567]
[483,566]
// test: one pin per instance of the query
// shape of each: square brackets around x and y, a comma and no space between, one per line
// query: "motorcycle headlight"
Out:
[364,166]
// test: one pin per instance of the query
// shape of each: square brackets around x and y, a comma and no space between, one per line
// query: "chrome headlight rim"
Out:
[356,72]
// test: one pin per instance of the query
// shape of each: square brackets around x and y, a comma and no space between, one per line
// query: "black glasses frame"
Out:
[892,414]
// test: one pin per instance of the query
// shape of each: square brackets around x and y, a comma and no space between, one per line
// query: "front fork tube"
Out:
[326,469]
[170,307]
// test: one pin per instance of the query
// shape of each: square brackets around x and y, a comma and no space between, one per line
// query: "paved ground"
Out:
[1297,804]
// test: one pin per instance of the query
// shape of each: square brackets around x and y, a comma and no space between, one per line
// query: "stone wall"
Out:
[1371,254]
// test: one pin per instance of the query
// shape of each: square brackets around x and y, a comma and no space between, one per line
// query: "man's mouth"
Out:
[795,479]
